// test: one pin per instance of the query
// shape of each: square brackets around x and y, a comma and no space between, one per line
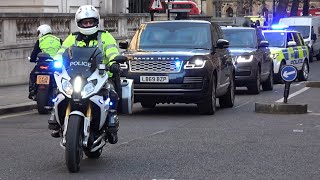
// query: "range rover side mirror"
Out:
[123,45]
[222,43]
[264,44]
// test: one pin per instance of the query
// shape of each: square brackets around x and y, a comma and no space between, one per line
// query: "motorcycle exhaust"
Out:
[102,143]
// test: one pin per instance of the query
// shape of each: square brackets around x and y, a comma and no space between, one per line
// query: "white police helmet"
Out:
[87,12]
[43,30]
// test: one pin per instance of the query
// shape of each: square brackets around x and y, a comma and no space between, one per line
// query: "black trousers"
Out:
[114,97]
[32,79]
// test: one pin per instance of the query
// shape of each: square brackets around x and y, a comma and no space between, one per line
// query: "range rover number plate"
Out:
[154,79]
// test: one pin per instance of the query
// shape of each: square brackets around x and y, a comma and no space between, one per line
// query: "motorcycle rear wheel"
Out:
[74,137]
[42,99]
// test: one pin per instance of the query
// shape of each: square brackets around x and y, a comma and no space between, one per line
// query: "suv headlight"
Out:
[195,64]
[123,65]
[244,58]
[274,56]
[67,87]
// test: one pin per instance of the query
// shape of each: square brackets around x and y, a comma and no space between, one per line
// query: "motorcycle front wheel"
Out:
[74,137]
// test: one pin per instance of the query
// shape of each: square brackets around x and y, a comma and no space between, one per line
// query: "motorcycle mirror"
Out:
[120,59]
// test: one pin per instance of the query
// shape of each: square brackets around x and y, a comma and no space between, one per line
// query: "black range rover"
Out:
[183,61]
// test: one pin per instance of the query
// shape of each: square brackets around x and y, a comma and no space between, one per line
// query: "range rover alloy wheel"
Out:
[208,107]
[268,84]
[227,100]
[255,87]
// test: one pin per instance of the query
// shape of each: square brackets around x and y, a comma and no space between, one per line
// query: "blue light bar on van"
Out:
[279,27]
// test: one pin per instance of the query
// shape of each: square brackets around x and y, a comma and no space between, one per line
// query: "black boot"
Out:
[112,127]
[55,134]
[32,88]
[31,93]
[53,124]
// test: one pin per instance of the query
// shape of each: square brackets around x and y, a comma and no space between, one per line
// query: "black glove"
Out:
[115,68]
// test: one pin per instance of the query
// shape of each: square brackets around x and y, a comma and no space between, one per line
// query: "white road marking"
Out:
[142,137]
[298,130]
[294,94]
[18,114]
[298,84]
[242,104]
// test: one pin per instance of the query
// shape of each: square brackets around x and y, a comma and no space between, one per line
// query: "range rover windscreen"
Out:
[165,35]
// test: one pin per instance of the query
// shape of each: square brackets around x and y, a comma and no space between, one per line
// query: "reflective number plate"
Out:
[43,79]
[154,79]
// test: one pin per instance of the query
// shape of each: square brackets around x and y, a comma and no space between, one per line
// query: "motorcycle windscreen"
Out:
[82,61]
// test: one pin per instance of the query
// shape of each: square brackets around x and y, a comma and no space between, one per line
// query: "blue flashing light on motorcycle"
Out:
[55,99]
[57,64]
[106,102]
[279,27]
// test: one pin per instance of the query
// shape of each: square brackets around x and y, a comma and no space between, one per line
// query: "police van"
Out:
[288,48]
[309,27]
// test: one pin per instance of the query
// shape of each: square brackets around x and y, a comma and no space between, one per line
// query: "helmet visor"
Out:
[88,23]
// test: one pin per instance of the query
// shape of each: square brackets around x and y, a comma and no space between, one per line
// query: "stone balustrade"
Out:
[18,35]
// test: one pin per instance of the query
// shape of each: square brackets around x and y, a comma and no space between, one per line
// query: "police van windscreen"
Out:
[245,38]
[177,35]
[304,30]
[275,39]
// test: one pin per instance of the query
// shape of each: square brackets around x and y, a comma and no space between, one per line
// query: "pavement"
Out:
[14,99]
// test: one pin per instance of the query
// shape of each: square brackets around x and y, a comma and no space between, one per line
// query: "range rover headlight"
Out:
[67,87]
[195,64]
[244,58]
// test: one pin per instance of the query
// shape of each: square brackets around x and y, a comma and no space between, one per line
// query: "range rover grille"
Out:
[154,66]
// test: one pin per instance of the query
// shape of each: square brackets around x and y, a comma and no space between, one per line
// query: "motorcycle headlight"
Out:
[67,87]
[195,64]
[244,58]
[77,84]
[87,89]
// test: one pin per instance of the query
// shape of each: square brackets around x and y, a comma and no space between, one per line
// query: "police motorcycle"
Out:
[82,105]
[44,84]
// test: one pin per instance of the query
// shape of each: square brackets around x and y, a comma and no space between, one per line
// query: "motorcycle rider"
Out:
[87,20]
[47,43]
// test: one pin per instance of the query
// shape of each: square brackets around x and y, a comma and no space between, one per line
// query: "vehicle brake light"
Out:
[44,67]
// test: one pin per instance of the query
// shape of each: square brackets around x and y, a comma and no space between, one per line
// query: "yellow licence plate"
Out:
[43,79]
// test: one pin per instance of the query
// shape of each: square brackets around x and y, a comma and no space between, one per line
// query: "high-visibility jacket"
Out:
[105,41]
[49,44]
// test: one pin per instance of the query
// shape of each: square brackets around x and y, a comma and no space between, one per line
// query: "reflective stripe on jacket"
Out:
[107,43]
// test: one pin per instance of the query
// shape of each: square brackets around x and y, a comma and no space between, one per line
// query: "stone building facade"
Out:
[61,6]
[230,8]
